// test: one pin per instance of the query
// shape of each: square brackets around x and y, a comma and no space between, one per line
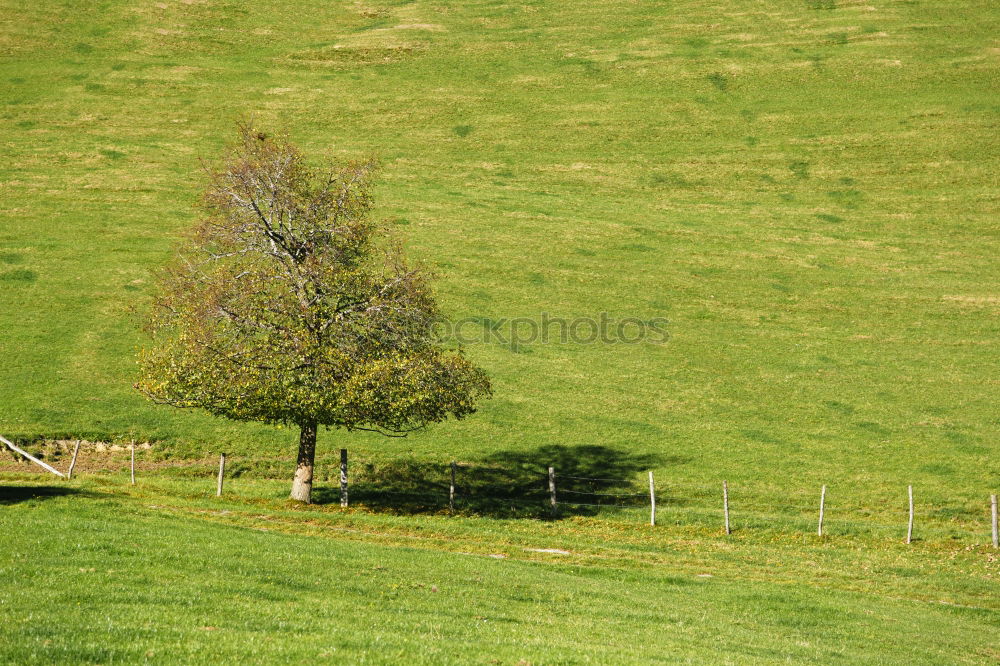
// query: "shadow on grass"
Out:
[507,484]
[18,494]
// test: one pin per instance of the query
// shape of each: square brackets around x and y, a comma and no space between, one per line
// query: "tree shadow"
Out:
[507,484]
[18,494]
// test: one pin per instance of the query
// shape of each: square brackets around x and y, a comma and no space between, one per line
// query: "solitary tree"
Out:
[287,305]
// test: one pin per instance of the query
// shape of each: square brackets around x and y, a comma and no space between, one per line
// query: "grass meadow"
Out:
[98,571]
[807,191]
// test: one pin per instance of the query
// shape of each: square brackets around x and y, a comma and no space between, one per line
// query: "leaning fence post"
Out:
[652,500]
[16,449]
[552,489]
[725,503]
[909,525]
[343,477]
[451,488]
[72,463]
[993,512]
[132,449]
[222,473]
[822,505]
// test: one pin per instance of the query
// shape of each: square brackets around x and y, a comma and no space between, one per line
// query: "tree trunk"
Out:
[303,482]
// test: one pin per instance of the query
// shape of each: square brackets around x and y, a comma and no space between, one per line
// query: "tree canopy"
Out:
[287,304]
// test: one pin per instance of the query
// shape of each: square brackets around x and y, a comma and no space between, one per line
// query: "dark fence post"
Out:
[343,477]
[222,474]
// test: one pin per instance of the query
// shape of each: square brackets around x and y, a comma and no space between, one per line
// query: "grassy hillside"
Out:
[806,190]
[162,573]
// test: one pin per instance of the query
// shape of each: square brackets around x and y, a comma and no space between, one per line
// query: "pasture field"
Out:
[97,571]
[807,191]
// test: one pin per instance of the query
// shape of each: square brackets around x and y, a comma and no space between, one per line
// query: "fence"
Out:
[534,491]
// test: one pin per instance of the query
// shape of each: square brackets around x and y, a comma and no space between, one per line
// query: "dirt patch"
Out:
[94,457]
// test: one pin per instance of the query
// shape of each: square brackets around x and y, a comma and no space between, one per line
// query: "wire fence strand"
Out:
[486,488]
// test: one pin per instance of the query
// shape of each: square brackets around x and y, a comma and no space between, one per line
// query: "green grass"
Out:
[98,571]
[806,190]
[807,193]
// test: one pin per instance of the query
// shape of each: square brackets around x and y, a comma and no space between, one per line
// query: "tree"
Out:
[287,305]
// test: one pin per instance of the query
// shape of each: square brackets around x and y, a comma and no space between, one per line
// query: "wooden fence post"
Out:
[909,525]
[222,473]
[725,503]
[72,463]
[16,449]
[652,500]
[132,449]
[552,489]
[822,505]
[343,477]
[451,488]
[993,512]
